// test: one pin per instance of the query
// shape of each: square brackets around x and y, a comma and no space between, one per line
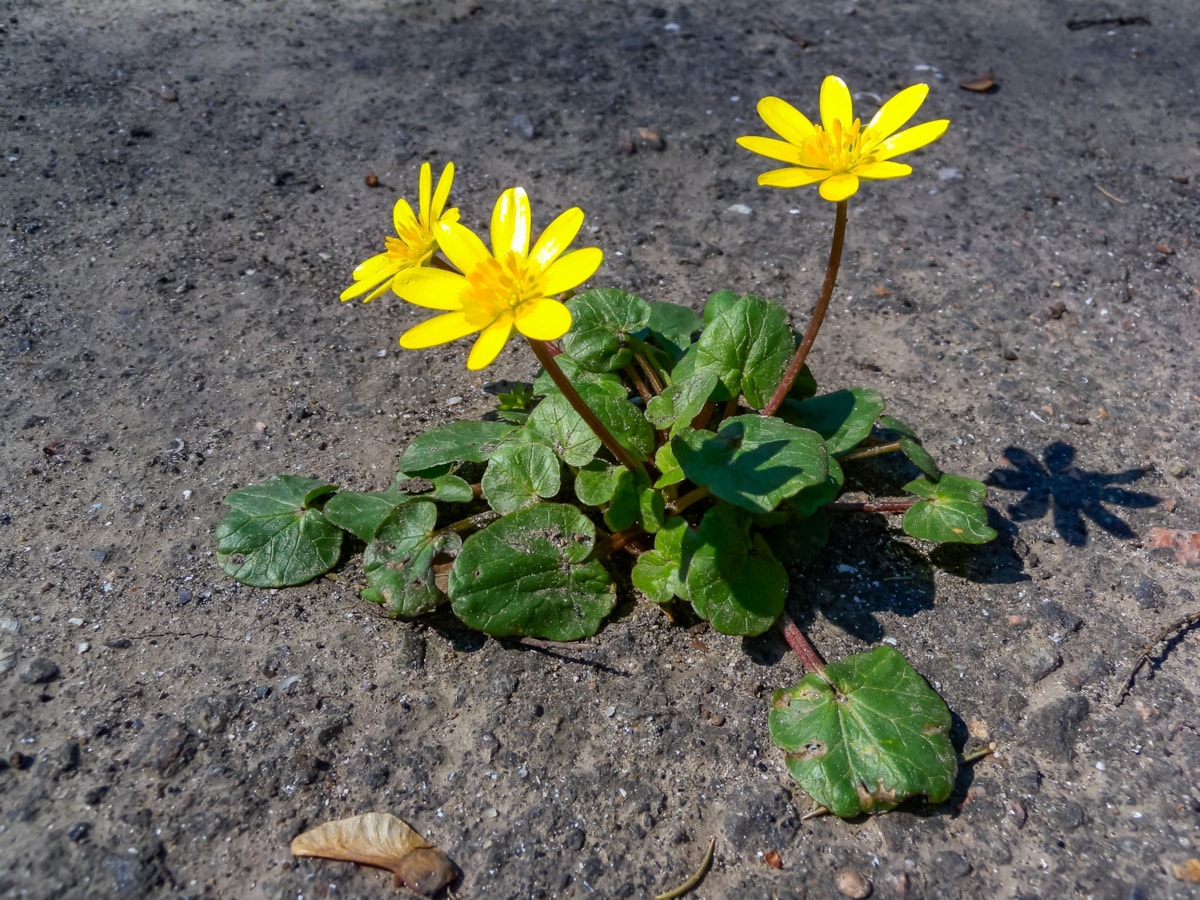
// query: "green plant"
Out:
[693,450]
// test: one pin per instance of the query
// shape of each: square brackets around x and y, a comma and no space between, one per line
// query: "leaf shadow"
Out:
[1054,485]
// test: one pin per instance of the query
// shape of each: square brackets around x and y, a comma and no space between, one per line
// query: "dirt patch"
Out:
[185,193]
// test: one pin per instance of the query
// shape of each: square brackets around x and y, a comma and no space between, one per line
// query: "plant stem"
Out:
[868,452]
[473,523]
[818,316]
[695,495]
[546,358]
[809,657]
[874,506]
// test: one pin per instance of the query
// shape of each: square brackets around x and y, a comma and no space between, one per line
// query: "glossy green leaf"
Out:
[748,344]
[555,422]
[273,535]
[544,386]
[951,511]
[399,562]
[658,573]
[529,574]
[842,418]
[673,322]
[668,467]
[754,462]
[362,513]
[450,489]
[623,419]
[595,483]
[454,442]
[601,320]
[865,736]
[733,578]
[682,401]
[519,475]
[920,457]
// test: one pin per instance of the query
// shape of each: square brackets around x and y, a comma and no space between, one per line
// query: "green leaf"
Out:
[658,573]
[274,537]
[682,400]
[842,418]
[865,736]
[733,578]
[399,562]
[362,513]
[544,386]
[749,344]
[601,319]
[555,422]
[453,442]
[668,467]
[754,462]
[625,506]
[529,574]
[919,457]
[519,475]
[674,323]
[626,423]
[951,512]
[717,304]
[799,542]
[595,483]
[450,489]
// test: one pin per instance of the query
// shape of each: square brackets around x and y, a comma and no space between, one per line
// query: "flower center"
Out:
[839,150]
[413,245]
[500,286]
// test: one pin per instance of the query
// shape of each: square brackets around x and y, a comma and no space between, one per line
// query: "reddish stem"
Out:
[809,657]
[818,316]
[874,506]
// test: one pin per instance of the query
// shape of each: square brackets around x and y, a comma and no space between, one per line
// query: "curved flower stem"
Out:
[695,495]
[809,657]
[546,358]
[818,316]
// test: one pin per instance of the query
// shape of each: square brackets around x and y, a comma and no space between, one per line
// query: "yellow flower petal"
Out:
[839,187]
[432,288]
[785,120]
[556,237]
[489,344]
[404,220]
[791,178]
[543,320]
[893,115]
[771,148]
[836,104]
[381,265]
[912,138]
[571,270]
[882,170]
[461,246]
[425,190]
[438,330]
[511,223]
[442,193]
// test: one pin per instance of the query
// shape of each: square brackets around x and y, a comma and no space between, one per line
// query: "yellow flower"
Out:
[511,288]
[841,150]
[415,241]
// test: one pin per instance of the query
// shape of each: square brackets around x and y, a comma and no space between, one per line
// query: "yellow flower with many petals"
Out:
[841,150]
[511,288]
[415,241]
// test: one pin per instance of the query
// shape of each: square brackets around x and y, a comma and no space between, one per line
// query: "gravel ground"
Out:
[184,193]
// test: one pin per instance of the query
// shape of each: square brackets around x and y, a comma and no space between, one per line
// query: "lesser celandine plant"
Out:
[692,452]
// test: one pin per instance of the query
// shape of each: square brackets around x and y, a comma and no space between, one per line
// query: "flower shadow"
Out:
[1054,485]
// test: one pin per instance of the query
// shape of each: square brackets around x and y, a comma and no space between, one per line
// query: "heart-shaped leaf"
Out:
[519,475]
[866,735]
[842,418]
[273,535]
[529,574]
[601,320]
[454,442]
[754,462]
[733,578]
[658,573]
[951,511]
[399,562]
[362,513]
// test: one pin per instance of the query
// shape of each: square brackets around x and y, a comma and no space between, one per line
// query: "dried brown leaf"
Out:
[980,84]
[383,841]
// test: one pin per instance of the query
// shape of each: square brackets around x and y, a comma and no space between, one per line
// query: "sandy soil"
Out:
[183,196]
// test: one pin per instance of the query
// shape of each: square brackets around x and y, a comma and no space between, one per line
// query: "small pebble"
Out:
[39,670]
[79,831]
[851,884]
[575,839]
[84,647]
